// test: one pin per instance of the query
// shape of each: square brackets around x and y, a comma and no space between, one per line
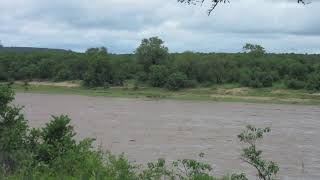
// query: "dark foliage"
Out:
[152,64]
[177,81]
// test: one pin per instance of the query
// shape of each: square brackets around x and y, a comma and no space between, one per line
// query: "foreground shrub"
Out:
[6,96]
[56,139]
[267,170]
[13,129]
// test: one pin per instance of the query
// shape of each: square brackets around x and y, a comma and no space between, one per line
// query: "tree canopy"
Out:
[151,52]
[153,65]
[254,49]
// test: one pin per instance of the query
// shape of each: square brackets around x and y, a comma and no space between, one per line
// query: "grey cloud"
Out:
[121,24]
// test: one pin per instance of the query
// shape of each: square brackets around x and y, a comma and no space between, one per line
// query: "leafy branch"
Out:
[267,170]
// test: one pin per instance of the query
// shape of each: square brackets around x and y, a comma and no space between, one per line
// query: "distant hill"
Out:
[29,49]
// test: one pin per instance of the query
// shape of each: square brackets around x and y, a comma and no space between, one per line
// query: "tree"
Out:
[57,139]
[295,84]
[46,68]
[1,46]
[158,75]
[215,3]
[97,51]
[314,82]
[254,49]
[3,73]
[151,52]
[98,73]
[177,81]
[298,71]
[188,62]
[256,78]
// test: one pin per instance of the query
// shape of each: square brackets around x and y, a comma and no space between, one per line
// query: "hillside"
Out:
[29,49]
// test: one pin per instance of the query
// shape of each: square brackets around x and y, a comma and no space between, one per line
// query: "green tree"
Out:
[295,84]
[254,49]
[57,139]
[298,71]
[177,81]
[151,52]
[188,63]
[97,51]
[212,70]
[3,73]
[158,75]
[256,78]
[78,67]
[99,70]
[46,69]
[314,82]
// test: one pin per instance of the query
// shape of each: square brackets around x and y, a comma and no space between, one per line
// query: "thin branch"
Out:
[254,165]
[215,3]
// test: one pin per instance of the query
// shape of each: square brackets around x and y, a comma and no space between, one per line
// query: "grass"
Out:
[224,93]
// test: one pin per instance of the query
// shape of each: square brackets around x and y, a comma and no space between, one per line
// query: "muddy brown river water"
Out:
[146,130]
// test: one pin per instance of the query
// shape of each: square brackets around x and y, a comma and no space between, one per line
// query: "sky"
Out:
[120,25]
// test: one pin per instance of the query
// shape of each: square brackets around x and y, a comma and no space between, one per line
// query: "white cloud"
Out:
[121,24]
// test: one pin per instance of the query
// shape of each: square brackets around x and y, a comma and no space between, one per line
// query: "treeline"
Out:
[152,64]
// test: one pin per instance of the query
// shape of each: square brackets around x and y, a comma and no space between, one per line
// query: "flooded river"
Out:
[148,129]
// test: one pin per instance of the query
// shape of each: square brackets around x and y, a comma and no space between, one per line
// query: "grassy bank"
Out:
[227,93]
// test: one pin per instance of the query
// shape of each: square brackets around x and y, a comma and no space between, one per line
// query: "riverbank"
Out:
[224,93]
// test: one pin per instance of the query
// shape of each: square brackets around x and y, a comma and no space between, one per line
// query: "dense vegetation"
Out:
[52,152]
[153,64]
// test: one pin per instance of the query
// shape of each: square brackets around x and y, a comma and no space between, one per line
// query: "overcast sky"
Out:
[119,25]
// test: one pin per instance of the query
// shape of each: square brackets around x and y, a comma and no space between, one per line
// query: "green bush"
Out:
[6,96]
[56,139]
[191,83]
[158,75]
[141,76]
[98,72]
[177,81]
[314,82]
[256,79]
[62,75]
[13,130]
[295,84]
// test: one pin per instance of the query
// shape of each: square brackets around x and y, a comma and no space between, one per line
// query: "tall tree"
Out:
[101,51]
[99,68]
[254,49]
[151,52]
